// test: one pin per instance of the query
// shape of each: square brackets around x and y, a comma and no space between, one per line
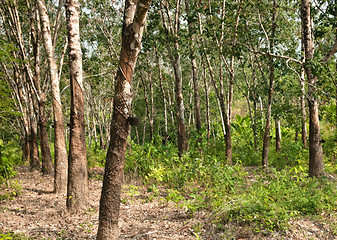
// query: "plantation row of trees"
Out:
[201,63]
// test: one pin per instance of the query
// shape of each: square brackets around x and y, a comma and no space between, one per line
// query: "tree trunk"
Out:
[60,151]
[144,127]
[228,122]
[147,104]
[278,134]
[164,97]
[254,93]
[47,163]
[175,62]
[101,135]
[208,120]
[266,140]
[151,113]
[182,139]
[95,131]
[34,149]
[77,194]
[225,113]
[35,30]
[26,148]
[134,22]
[194,70]
[23,99]
[304,114]
[89,128]
[316,164]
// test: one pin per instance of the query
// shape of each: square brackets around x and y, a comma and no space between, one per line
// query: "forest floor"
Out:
[37,213]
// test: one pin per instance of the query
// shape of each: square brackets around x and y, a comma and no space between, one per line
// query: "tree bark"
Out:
[47,163]
[175,62]
[164,97]
[60,151]
[149,110]
[208,118]
[77,192]
[133,26]
[278,134]
[316,164]
[34,149]
[304,113]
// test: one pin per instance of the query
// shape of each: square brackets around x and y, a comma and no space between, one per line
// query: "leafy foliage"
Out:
[242,193]
[9,158]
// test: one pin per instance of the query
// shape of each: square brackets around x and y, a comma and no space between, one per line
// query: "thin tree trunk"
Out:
[133,26]
[137,135]
[304,113]
[194,69]
[254,107]
[208,120]
[77,192]
[278,134]
[147,104]
[101,135]
[316,164]
[266,140]
[23,98]
[95,131]
[224,112]
[149,78]
[175,62]
[60,151]
[228,122]
[89,129]
[34,150]
[47,163]
[26,148]
[144,127]
[170,105]
[164,97]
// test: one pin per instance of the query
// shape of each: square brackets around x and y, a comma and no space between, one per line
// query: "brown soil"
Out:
[40,214]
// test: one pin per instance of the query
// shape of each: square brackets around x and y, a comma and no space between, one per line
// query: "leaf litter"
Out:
[37,213]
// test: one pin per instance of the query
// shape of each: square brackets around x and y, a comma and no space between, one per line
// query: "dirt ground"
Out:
[40,214]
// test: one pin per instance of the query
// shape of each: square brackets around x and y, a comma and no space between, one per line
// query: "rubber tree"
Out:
[60,151]
[316,164]
[171,29]
[77,189]
[133,26]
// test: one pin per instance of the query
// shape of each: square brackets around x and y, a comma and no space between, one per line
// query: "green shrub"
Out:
[273,199]
[96,157]
[9,157]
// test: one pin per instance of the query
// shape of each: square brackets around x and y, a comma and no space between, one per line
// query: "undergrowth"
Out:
[9,158]
[243,193]
[12,236]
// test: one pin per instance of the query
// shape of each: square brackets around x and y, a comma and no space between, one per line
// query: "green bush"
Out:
[9,157]
[272,199]
[96,157]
